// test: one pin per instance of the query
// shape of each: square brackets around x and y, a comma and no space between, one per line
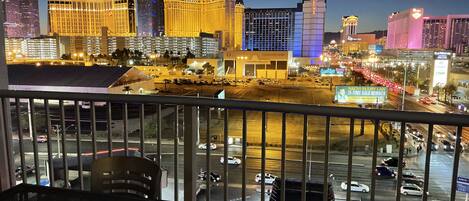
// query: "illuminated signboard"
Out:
[361,94]
[442,55]
[440,73]
[332,72]
[220,94]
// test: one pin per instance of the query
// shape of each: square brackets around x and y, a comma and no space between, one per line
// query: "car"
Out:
[385,172]
[214,177]
[462,146]
[439,134]
[411,190]
[203,146]
[231,160]
[392,162]
[355,187]
[451,136]
[410,177]
[447,146]
[418,181]
[41,138]
[29,170]
[435,146]
[269,178]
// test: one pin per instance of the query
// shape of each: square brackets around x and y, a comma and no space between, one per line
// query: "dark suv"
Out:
[385,172]
[392,162]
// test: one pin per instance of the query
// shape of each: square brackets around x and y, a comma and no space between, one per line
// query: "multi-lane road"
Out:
[303,93]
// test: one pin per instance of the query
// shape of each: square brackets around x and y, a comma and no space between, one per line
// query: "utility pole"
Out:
[404,88]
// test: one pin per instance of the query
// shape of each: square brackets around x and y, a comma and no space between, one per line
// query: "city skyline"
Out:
[370,19]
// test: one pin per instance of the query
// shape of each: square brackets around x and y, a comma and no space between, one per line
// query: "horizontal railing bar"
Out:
[383,115]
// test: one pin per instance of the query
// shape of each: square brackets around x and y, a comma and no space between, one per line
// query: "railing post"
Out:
[6,156]
[5,174]
[190,143]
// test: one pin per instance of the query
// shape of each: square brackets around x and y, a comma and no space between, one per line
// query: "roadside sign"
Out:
[463,184]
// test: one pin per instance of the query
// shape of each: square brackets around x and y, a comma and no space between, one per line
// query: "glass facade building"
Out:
[270,29]
[300,29]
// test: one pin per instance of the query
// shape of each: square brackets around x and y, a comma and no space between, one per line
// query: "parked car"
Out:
[392,162]
[214,177]
[355,187]
[29,170]
[385,172]
[408,181]
[203,146]
[269,178]
[439,134]
[411,190]
[41,138]
[447,146]
[231,160]
[435,146]
[451,136]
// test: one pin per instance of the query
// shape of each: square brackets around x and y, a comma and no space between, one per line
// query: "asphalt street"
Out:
[298,92]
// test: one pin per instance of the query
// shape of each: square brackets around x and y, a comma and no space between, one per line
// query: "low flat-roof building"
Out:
[257,64]
[76,79]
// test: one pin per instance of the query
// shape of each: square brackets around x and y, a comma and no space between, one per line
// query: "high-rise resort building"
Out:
[91,17]
[349,27]
[300,29]
[22,18]
[405,29]
[188,18]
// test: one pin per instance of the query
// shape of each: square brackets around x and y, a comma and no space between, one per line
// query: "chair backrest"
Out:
[126,175]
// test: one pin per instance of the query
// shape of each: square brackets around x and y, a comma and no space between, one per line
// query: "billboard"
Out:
[440,71]
[332,72]
[361,94]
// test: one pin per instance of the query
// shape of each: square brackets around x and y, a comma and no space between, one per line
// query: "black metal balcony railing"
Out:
[190,106]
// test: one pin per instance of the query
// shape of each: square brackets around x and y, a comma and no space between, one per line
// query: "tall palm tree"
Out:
[437,89]
[127,89]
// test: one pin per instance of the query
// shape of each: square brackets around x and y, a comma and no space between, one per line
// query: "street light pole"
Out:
[58,141]
[404,88]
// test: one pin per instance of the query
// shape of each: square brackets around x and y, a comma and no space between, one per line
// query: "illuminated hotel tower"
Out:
[349,27]
[89,17]
[188,18]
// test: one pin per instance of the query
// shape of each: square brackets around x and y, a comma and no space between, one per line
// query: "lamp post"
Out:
[57,131]
[404,88]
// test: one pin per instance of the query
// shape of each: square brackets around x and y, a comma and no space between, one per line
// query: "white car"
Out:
[439,135]
[231,160]
[41,138]
[213,146]
[355,187]
[411,190]
[269,178]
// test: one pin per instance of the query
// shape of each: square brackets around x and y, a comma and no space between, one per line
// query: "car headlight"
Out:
[436,146]
[218,178]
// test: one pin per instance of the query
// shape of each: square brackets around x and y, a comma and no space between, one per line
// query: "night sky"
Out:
[372,13]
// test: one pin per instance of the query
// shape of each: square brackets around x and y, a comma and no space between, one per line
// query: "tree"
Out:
[166,55]
[209,69]
[66,57]
[346,79]
[166,81]
[437,89]
[127,89]
[450,89]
